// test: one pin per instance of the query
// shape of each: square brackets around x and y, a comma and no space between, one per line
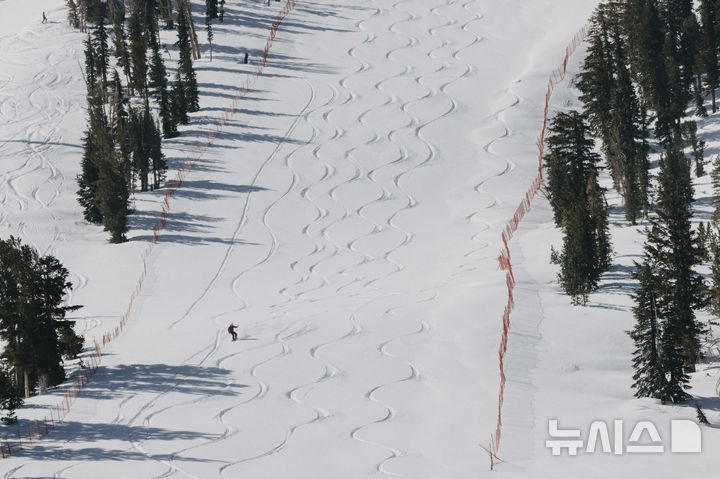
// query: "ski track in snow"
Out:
[311,285]
[354,242]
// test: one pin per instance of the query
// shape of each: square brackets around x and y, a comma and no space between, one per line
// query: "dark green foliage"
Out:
[73,14]
[614,110]
[10,397]
[121,48]
[576,275]
[714,301]
[570,162]
[159,89]
[157,158]
[113,196]
[672,251]
[708,47]
[698,146]
[100,46]
[138,52]
[178,102]
[715,180]
[579,205]
[32,291]
[649,378]
[185,66]
[702,419]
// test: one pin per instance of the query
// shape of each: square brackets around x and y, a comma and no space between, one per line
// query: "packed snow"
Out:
[348,219]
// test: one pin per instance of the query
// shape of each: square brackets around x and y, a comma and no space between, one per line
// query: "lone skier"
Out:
[231,330]
[246,58]
[44,20]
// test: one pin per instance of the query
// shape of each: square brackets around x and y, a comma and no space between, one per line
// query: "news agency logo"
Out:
[685,437]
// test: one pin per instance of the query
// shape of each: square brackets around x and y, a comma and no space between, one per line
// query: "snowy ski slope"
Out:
[347,218]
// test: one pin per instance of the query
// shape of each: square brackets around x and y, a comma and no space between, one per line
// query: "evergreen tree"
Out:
[579,205]
[708,47]
[715,179]
[698,146]
[120,42]
[185,67]
[570,163]
[113,194]
[577,259]
[159,165]
[73,14]
[89,175]
[714,293]
[178,102]
[10,396]
[100,46]
[649,378]
[158,84]
[596,81]
[677,253]
[222,11]
[32,290]
[646,41]
[138,52]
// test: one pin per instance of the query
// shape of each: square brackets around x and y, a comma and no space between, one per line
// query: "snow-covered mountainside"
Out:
[347,217]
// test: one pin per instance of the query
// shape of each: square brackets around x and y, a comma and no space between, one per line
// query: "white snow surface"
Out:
[348,219]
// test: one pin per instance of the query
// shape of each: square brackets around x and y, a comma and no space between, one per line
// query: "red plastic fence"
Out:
[505,259]
[39,429]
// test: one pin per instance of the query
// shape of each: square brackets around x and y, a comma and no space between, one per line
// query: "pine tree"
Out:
[114,197]
[626,158]
[698,146]
[646,41]
[714,292]
[222,11]
[89,175]
[708,47]
[649,378]
[677,254]
[577,259]
[140,146]
[100,46]
[73,14]
[178,102]
[570,162]
[120,43]
[10,397]
[32,311]
[715,180]
[138,52]
[579,205]
[596,81]
[185,67]
[159,165]
[158,84]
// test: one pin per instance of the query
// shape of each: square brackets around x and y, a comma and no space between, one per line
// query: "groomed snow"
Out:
[348,219]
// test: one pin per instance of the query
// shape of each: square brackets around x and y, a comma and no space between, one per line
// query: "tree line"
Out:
[649,63]
[33,323]
[132,105]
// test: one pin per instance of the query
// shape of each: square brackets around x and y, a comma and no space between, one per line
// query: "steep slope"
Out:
[347,217]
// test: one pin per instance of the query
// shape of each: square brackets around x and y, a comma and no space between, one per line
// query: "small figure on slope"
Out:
[44,20]
[231,330]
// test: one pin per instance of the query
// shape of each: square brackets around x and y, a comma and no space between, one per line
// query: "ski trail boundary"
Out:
[36,430]
[504,259]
